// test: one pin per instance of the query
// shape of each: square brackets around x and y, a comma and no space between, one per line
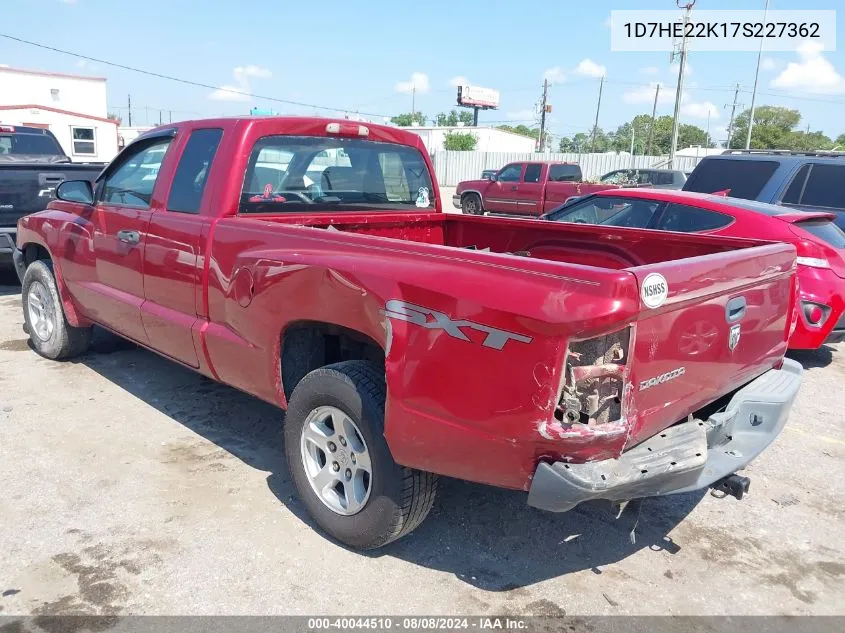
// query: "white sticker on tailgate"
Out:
[655,290]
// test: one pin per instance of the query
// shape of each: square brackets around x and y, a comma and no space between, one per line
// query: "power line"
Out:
[182,81]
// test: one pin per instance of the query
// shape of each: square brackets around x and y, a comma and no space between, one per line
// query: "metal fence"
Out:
[454,167]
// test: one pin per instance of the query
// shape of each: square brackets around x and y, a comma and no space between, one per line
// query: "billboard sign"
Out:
[477,97]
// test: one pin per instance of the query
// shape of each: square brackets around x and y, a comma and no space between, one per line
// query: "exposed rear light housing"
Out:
[7,128]
[347,129]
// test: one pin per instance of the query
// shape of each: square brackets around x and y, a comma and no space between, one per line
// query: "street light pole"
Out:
[680,88]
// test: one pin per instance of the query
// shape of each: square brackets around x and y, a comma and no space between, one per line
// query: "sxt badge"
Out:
[434,320]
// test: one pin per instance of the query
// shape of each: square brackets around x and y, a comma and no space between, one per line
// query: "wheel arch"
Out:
[34,251]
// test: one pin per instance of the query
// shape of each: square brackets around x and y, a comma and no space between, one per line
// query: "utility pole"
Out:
[756,76]
[543,115]
[653,115]
[596,125]
[413,102]
[129,107]
[159,117]
[733,112]
[680,88]
[633,133]
[170,116]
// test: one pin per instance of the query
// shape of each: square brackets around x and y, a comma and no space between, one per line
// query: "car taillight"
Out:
[810,254]
[814,313]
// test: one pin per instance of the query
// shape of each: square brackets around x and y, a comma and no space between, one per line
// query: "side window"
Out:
[565,173]
[680,217]
[132,183]
[532,173]
[824,187]
[793,192]
[192,172]
[511,173]
[84,141]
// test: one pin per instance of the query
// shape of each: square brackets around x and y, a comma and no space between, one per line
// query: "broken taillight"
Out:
[594,384]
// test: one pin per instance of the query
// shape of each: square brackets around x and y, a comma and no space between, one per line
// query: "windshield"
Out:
[32,144]
[295,173]
[608,211]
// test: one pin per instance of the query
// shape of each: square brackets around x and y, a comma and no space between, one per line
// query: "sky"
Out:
[369,57]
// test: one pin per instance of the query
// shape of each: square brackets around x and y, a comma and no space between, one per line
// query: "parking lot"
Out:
[131,485]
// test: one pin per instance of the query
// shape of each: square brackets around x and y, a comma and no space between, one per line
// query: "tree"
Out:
[602,141]
[773,126]
[408,119]
[453,118]
[691,135]
[459,141]
[522,130]
[840,142]
[567,145]
[114,117]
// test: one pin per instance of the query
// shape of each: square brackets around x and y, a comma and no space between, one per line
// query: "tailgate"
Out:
[707,326]
[25,189]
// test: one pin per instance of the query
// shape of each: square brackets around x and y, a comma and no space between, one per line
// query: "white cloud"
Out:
[645,94]
[554,75]
[238,91]
[589,68]
[649,70]
[460,80]
[769,63]
[252,71]
[812,73]
[526,114]
[69,1]
[700,110]
[418,83]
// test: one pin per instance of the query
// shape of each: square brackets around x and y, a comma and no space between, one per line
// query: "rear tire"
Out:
[392,499]
[471,204]
[44,318]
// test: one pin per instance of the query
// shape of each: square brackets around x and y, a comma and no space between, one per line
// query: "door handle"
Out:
[129,237]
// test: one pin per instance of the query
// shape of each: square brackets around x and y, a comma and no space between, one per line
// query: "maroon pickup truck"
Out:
[527,188]
[308,262]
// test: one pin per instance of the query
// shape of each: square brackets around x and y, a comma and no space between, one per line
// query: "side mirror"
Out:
[494,177]
[76,191]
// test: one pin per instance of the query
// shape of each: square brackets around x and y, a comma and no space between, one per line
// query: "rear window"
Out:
[825,230]
[36,144]
[824,187]
[314,173]
[565,173]
[686,219]
[744,178]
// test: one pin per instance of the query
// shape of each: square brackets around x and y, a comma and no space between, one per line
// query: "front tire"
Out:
[340,462]
[471,204]
[51,334]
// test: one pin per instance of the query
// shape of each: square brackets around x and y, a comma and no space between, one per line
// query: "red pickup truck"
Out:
[307,261]
[526,188]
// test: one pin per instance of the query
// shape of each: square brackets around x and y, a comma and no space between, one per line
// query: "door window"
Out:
[192,172]
[132,182]
[532,173]
[511,173]
[824,187]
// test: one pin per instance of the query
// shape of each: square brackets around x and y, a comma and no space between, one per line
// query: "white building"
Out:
[490,139]
[73,107]
[128,134]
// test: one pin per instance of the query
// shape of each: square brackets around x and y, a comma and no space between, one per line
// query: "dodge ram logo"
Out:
[733,337]
[434,320]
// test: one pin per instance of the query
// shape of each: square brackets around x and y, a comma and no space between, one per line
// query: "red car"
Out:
[819,242]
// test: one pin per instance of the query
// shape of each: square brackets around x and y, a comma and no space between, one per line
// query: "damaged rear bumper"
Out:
[685,457]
